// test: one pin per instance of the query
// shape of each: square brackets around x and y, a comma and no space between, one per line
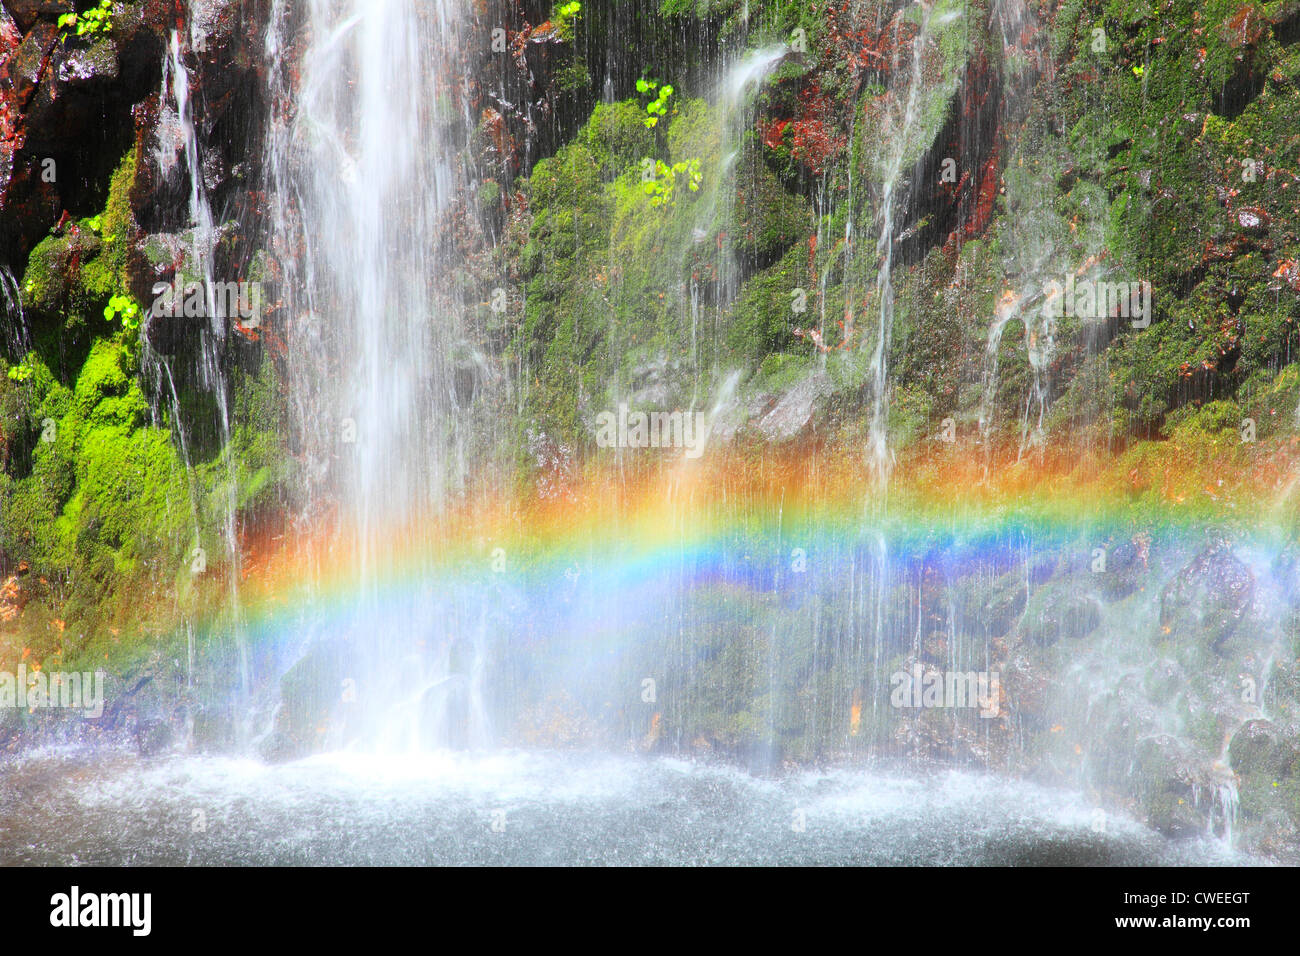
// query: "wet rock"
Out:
[153,737]
[26,12]
[1286,23]
[30,64]
[791,413]
[1063,618]
[1174,778]
[656,382]
[160,259]
[64,100]
[1126,566]
[1261,747]
[78,101]
[1164,681]
[1276,836]
[1208,599]
[496,148]
[310,692]
[1002,605]
[1172,813]
[1246,27]
[212,729]
[1244,32]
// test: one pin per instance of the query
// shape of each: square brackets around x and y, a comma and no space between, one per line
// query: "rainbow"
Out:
[757,517]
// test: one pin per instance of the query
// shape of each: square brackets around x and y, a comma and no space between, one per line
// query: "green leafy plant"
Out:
[662,189]
[564,17]
[95,21]
[127,308]
[23,370]
[657,108]
[96,225]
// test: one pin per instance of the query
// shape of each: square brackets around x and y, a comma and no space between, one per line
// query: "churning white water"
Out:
[512,808]
[364,167]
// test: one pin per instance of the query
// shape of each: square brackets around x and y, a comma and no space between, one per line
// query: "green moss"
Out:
[1212,419]
[763,319]
[70,277]
[617,136]
[94,494]
[768,220]
[763,20]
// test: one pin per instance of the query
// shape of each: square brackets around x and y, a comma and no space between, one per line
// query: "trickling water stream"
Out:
[178,101]
[897,142]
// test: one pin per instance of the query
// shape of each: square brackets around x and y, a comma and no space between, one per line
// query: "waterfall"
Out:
[11,312]
[715,215]
[365,163]
[177,100]
[897,139]
[1032,247]
[1007,309]
[368,162]
[450,621]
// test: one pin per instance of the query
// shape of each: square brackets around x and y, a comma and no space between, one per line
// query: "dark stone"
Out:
[1207,599]
[1286,23]
[1260,747]
[153,737]
[27,12]
[1067,618]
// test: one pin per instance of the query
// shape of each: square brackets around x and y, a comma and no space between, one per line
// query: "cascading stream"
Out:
[898,137]
[365,166]
[11,312]
[177,96]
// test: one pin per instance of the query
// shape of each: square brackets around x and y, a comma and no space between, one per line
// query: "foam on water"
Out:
[521,808]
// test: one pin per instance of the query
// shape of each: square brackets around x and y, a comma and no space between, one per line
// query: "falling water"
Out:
[715,216]
[898,139]
[11,313]
[364,170]
[369,159]
[1008,309]
[177,98]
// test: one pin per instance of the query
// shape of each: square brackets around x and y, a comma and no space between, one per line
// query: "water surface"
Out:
[535,808]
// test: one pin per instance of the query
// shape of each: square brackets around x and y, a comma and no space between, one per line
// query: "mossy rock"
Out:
[617,137]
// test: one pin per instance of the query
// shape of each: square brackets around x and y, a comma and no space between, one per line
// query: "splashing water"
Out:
[364,170]
[367,170]
[512,808]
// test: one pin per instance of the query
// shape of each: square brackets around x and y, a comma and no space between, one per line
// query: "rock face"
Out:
[70,107]
[65,112]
